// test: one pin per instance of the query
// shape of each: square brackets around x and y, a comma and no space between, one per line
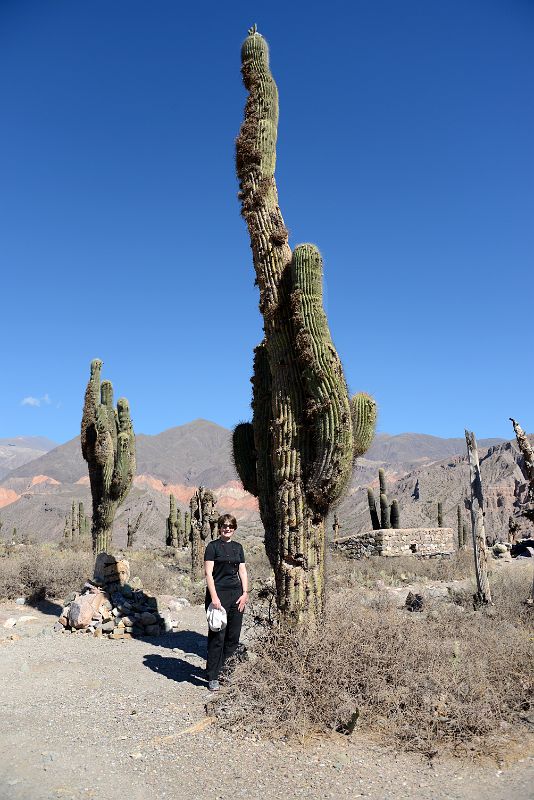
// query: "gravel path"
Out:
[94,718]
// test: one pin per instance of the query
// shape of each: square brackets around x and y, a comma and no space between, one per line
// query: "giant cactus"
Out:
[108,446]
[297,455]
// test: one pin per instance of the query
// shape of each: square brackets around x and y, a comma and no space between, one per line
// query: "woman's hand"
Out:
[242,601]
[216,603]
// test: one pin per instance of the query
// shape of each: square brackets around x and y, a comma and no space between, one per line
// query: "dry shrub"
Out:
[446,679]
[43,570]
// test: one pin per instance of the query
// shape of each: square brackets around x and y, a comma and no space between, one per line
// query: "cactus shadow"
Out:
[175,669]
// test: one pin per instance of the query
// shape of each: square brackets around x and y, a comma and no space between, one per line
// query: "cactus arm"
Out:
[244,456]
[327,409]
[91,403]
[363,414]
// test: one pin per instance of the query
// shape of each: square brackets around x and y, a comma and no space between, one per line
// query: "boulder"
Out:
[84,608]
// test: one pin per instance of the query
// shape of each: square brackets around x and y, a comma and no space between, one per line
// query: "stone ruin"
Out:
[398,542]
[116,606]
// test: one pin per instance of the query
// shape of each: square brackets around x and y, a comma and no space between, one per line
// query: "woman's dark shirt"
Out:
[226,557]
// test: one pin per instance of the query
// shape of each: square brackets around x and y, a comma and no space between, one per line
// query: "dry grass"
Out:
[51,570]
[446,678]
[345,572]
[42,571]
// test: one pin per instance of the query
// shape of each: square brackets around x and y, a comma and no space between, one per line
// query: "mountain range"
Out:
[37,493]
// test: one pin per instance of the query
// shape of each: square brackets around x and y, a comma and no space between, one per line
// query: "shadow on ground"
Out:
[176,669]
[188,641]
[47,607]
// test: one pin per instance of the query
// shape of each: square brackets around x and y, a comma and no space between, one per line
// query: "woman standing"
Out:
[227,587]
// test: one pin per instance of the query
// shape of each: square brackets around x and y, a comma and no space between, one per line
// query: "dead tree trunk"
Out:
[483,595]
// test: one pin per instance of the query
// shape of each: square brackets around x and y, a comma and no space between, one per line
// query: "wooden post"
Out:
[483,595]
[336,526]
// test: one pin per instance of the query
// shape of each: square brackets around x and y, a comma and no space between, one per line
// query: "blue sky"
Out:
[405,153]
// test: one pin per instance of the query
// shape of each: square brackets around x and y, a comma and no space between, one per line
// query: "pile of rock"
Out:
[112,605]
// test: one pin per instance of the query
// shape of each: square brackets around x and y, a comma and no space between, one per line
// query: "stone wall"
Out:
[398,542]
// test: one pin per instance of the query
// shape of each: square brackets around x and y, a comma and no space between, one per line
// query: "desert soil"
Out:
[96,718]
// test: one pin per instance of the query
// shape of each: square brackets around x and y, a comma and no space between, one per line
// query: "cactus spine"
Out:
[203,522]
[302,425]
[108,446]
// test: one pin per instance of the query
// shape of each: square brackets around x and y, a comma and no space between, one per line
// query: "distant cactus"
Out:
[132,529]
[203,523]
[302,430]
[382,480]
[394,514]
[108,446]
[77,525]
[84,523]
[415,493]
[440,515]
[187,534]
[172,528]
[459,524]
[384,512]
[375,522]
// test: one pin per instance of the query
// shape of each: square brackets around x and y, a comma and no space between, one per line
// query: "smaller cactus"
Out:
[415,493]
[187,529]
[171,537]
[132,529]
[382,480]
[440,515]
[394,514]
[384,512]
[375,522]
[459,524]
[203,522]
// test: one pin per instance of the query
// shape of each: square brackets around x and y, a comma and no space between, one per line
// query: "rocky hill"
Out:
[445,481]
[37,495]
[20,450]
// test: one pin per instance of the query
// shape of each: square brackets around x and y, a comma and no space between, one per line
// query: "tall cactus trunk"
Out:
[302,428]
[483,595]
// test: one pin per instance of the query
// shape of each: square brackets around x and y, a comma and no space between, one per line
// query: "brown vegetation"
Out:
[53,571]
[447,678]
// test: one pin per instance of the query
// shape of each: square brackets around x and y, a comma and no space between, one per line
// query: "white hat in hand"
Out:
[216,618]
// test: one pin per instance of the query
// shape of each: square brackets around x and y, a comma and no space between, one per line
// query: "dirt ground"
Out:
[95,718]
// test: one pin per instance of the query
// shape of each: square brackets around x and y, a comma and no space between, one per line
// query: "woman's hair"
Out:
[227,519]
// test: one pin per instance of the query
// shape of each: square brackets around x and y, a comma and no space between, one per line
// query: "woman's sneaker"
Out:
[213,686]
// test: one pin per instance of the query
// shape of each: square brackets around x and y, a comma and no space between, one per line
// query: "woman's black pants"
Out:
[223,644]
